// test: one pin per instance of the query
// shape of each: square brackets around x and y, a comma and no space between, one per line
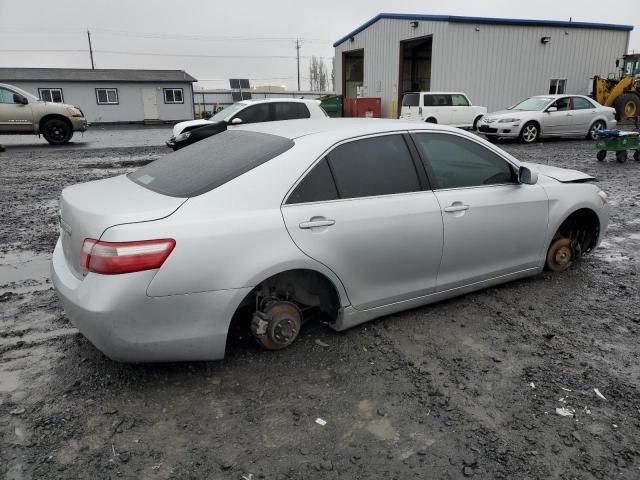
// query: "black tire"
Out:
[475,122]
[431,120]
[597,126]
[601,155]
[492,138]
[57,131]
[621,156]
[627,106]
[530,132]
[636,155]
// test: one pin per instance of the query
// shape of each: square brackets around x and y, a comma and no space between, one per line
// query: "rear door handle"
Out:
[456,207]
[317,223]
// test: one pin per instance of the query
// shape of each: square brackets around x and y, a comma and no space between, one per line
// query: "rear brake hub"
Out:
[277,326]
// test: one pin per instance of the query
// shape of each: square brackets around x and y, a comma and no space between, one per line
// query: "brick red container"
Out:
[362,107]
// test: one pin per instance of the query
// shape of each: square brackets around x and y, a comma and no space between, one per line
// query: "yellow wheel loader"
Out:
[621,92]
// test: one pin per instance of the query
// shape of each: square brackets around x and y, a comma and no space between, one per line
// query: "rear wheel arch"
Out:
[431,120]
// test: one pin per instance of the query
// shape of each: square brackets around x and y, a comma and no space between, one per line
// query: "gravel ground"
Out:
[463,388]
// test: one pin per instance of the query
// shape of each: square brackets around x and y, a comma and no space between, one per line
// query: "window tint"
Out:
[410,99]
[317,186]
[459,101]
[437,100]
[6,96]
[289,110]
[255,113]
[373,166]
[580,103]
[209,163]
[458,162]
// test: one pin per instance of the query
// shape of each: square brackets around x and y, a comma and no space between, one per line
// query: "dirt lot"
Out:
[463,388]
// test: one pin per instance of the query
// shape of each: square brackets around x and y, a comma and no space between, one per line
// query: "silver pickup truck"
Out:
[24,114]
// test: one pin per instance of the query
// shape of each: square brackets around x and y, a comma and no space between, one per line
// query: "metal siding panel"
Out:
[496,66]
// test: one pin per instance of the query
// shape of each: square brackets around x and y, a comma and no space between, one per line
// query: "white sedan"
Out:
[549,116]
[356,218]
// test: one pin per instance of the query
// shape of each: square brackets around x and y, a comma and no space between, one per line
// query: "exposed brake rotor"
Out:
[277,326]
[561,254]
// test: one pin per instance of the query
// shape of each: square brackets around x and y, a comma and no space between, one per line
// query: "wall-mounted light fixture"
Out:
[413,24]
[545,40]
[477,29]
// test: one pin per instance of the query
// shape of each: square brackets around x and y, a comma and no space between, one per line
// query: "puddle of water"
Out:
[24,265]
[8,381]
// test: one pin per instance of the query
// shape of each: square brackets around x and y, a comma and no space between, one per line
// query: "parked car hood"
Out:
[178,128]
[564,175]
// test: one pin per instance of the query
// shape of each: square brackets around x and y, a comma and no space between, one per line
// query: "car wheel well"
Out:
[583,227]
[53,116]
[308,289]
[475,121]
[431,120]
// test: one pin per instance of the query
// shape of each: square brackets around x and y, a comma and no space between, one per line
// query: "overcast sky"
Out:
[215,40]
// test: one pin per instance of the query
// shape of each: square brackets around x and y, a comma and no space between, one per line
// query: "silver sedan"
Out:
[269,223]
[549,116]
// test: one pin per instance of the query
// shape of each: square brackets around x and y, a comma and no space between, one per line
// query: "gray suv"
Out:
[24,114]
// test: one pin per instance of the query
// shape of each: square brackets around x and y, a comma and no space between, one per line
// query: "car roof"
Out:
[276,99]
[340,127]
[559,95]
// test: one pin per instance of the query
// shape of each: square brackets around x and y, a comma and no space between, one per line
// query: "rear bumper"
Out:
[115,314]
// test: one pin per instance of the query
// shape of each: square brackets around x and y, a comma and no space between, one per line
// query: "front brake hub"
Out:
[561,254]
[277,326]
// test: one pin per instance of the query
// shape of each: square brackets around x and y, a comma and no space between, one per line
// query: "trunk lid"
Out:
[88,209]
[563,175]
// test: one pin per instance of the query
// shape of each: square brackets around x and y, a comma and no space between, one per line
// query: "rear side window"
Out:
[436,100]
[580,103]
[373,166]
[317,186]
[289,110]
[212,162]
[411,100]
[457,162]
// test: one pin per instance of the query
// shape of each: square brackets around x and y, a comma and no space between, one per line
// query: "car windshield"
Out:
[212,162]
[533,103]
[227,111]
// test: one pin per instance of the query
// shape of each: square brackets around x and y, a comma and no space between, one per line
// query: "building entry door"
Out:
[150,103]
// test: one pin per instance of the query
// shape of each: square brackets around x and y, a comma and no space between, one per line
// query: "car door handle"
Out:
[456,207]
[317,223]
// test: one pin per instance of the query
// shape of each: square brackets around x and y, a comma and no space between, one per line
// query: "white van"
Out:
[447,108]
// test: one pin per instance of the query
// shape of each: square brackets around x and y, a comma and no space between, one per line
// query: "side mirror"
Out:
[19,99]
[236,121]
[552,109]
[527,176]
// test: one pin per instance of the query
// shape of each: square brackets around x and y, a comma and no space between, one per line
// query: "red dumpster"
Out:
[362,107]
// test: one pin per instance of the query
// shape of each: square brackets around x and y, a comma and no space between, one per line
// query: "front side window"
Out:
[581,103]
[107,96]
[459,101]
[557,86]
[562,104]
[173,95]
[373,166]
[255,113]
[6,96]
[457,162]
[51,95]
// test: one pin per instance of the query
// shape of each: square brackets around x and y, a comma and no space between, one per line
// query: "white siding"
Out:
[496,65]
[130,107]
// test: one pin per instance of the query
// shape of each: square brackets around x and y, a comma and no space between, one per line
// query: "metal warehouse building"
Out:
[495,61]
[111,95]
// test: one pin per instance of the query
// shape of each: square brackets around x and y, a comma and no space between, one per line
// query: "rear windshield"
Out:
[411,100]
[212,162]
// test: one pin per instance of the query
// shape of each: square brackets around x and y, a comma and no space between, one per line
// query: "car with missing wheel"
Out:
[274,224]
[24,114]
[244,113]
[545,116]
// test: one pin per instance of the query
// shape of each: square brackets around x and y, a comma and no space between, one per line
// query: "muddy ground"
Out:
[464,388]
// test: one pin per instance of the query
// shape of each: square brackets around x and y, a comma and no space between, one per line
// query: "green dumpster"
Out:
[332,104]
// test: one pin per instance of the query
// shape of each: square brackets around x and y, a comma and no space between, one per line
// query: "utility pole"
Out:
[93,67]
[298,60]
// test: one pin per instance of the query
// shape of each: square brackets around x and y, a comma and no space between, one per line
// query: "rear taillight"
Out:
[113,258]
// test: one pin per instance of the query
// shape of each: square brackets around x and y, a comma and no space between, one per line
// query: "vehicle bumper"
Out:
[499,129]
[115,313]
[79,124]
